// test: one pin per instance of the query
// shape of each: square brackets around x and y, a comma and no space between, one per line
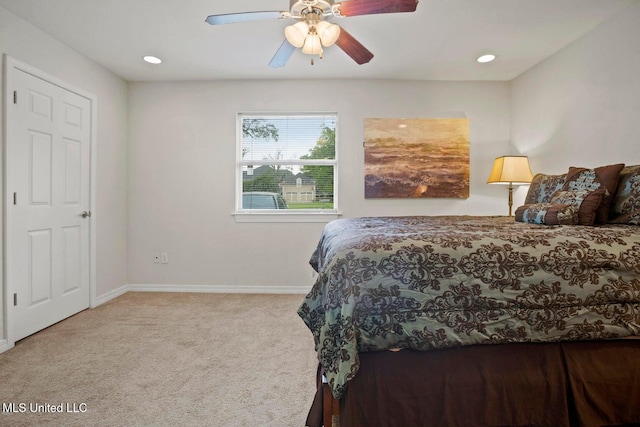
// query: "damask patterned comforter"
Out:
[433,282]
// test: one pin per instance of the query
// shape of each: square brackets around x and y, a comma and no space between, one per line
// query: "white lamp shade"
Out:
[328,33]
[296,33]
[312,45]
[511,169]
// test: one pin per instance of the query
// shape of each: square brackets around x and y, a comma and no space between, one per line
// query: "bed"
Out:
[469,320]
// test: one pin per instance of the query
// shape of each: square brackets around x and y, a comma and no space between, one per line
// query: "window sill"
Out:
[269,216]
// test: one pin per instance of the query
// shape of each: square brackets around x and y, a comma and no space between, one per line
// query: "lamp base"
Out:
[510,197]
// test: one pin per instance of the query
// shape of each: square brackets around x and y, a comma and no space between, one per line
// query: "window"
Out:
[287,165]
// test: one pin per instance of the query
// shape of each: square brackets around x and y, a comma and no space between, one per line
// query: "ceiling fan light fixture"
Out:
[311,33]
[328,33]
[296,33]
[312,45]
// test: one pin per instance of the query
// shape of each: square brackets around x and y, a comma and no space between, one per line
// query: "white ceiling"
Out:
[439,41]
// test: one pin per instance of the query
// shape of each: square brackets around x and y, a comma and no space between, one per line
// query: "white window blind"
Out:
[287,163]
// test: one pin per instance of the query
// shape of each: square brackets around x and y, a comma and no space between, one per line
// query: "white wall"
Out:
[24,42]
[581,107]
[182,165]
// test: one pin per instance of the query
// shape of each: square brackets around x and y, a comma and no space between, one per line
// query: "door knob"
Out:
[85,214]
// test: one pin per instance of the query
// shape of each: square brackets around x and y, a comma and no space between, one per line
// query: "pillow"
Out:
[604,177]
[542,188]
[625,207]
[586,201]
[547,213]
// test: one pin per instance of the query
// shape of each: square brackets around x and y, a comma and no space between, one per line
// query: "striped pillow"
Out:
[547,213]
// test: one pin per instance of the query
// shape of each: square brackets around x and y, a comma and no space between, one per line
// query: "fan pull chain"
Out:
[319,57]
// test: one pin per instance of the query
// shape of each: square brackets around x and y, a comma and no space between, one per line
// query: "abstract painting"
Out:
[410,158]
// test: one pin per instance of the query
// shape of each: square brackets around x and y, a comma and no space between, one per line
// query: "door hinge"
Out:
[15,198]
[15,96]
[15,299]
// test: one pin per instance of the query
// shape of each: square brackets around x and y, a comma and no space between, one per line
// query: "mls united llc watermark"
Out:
[22,407]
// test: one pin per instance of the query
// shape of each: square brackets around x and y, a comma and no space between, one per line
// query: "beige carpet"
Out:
[166,359]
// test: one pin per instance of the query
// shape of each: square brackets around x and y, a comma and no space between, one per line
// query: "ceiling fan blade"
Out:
[370,7]
[230,18]
[353,47]
[283,54]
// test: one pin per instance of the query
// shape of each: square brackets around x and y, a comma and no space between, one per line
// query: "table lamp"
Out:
[512,170]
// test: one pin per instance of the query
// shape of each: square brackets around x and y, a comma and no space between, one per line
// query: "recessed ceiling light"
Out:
[152,59]
[486,58]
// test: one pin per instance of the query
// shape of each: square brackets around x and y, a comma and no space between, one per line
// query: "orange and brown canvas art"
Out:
[409,158]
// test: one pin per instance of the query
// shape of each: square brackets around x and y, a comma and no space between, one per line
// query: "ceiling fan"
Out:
[314,29]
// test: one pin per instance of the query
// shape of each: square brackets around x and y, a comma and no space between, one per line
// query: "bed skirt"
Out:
[587,383]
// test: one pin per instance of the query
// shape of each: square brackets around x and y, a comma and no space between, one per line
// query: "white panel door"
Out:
[48,217]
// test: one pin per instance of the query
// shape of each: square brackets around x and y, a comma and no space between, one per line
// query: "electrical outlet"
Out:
[164,258]
[156,258]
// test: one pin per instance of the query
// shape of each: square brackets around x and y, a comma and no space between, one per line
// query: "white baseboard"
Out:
[148,287]
[109,296]
[220,289]
[4,346]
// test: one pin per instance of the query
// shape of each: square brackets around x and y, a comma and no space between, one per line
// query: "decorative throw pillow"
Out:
[586,201]
[604,178]
[625,208]
[547,213]
[542,188]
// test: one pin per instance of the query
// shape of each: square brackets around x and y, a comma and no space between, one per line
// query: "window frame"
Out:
[282,215]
